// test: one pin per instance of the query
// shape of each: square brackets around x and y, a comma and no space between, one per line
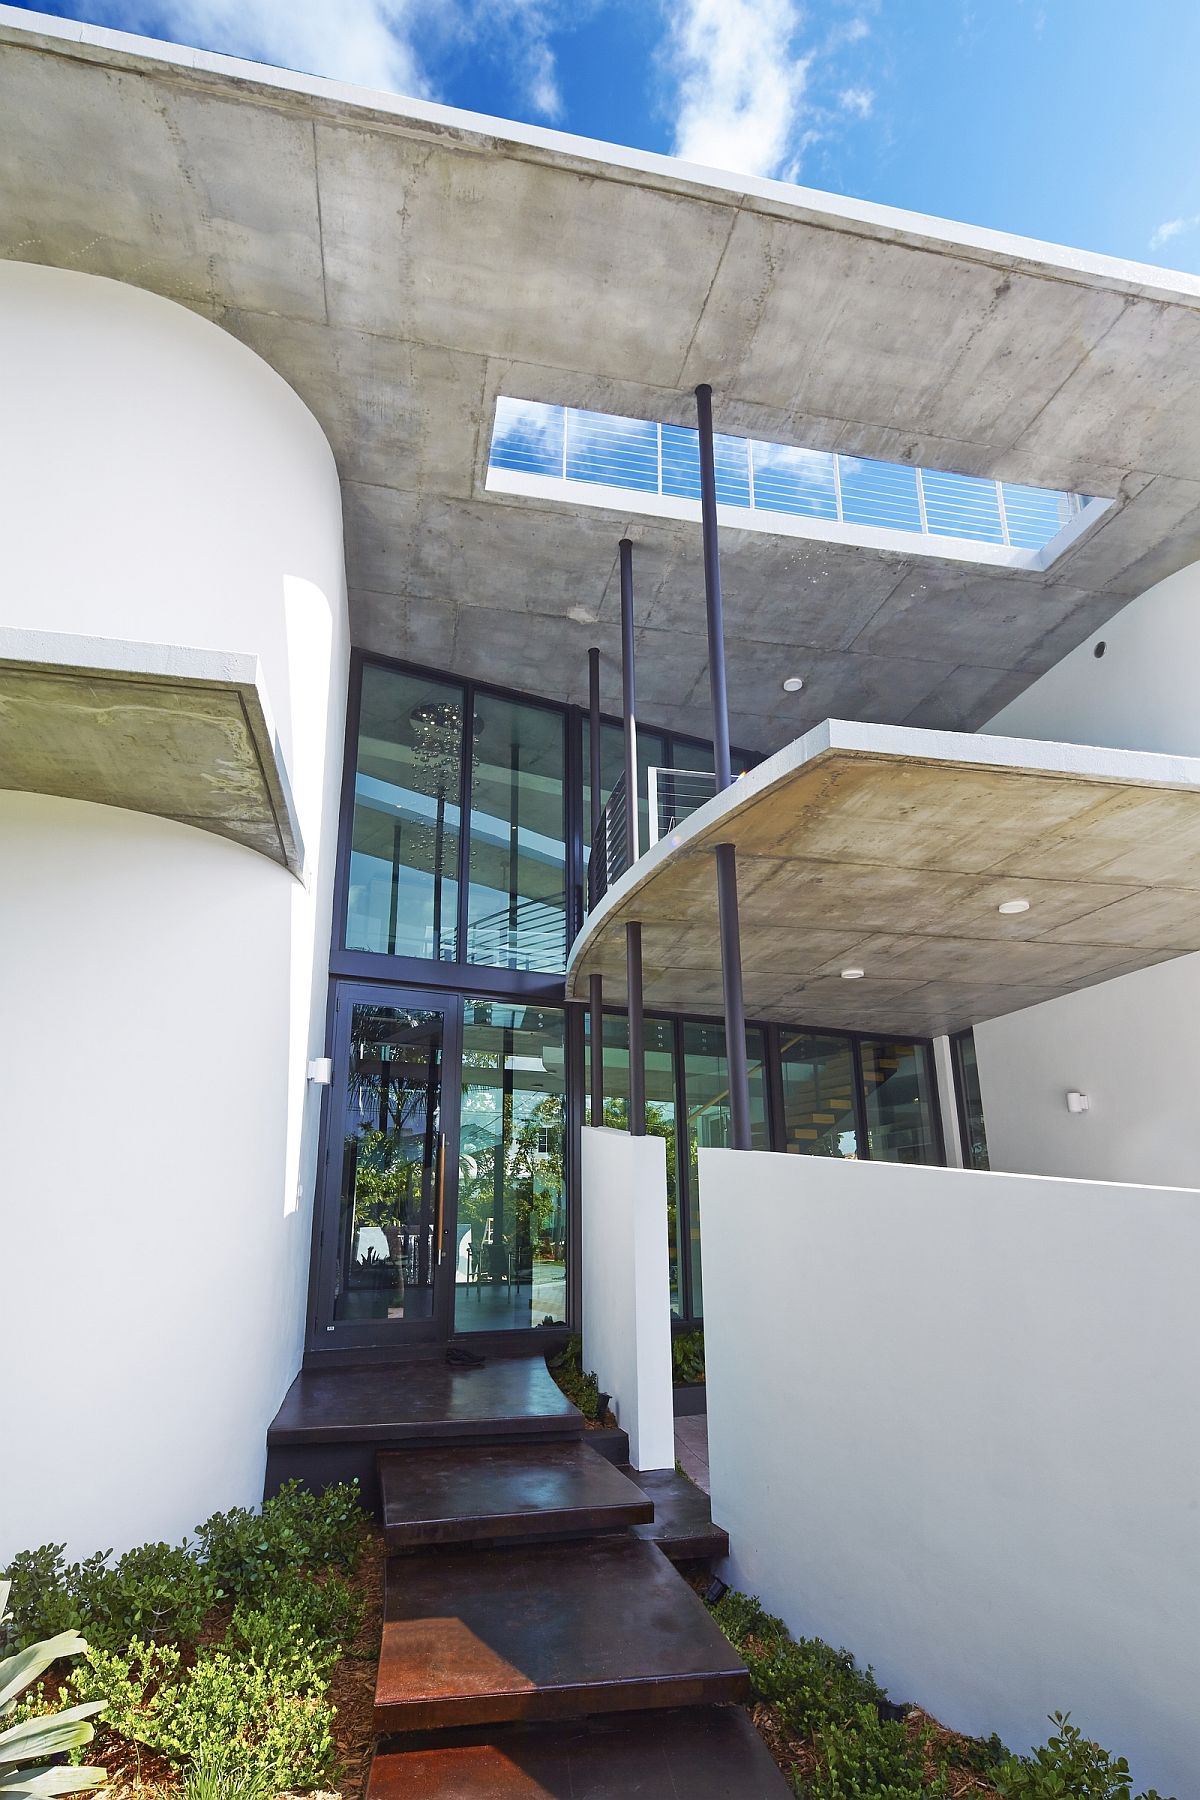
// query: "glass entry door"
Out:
[389,1191]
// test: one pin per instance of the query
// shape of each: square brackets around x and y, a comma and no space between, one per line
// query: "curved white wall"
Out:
[1129,1044]
[161,989]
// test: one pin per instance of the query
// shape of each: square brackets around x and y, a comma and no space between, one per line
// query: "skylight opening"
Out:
[564,453]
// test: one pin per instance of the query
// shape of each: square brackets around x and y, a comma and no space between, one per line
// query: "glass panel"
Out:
[818,1095]
[510,1267]
[389,1157]
[899,1120]
[517,908]
[652,754]
[660,1104]
[403,888]
[706,1085]
[970,1101]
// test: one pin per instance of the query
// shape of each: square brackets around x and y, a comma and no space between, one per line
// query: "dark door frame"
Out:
[327,1332]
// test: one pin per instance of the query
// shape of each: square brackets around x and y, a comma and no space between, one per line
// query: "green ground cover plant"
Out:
[217,1654]
[687,1357]
[581,1388]
[848,1741]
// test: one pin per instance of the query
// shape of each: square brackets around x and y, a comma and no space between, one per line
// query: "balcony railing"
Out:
[672,795]
[531,934]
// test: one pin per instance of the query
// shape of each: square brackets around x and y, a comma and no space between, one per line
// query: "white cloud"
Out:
[385,44]
[859,100]
[740,82]
[1173,228]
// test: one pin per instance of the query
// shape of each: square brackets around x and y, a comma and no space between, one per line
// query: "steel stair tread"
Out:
[521,1491]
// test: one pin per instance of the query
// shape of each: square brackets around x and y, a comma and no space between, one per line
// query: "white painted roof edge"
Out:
[866,217]
[964,749]
[237,671]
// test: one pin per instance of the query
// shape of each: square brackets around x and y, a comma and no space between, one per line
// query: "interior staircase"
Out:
[539,1642]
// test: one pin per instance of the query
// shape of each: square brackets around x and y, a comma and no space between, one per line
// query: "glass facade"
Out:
[706,1090]
[459,1090]
[970,1101]
[897,1084]
[511,1233]
[402,894]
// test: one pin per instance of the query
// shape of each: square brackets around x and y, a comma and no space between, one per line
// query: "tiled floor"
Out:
[691,1448]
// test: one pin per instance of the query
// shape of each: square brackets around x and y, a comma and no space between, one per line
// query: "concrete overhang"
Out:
[183,734]
[401,264]
[890,849]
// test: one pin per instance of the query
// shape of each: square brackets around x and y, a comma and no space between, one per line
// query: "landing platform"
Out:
[463,1494]
[481,1637]
[425,1402]
[704,1753]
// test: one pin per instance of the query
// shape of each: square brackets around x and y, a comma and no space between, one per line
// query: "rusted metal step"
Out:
[699,1753]
[682,1525]
[479,1637]
[462,1495]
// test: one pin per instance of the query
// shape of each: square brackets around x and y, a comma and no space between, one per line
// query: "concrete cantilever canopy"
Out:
[401,264]
[183,734]
[890,849]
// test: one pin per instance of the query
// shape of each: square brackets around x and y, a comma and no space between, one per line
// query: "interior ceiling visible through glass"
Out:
[640,456]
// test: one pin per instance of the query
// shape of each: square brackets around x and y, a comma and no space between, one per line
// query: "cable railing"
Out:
[530,934]
[672,796]
[646,456]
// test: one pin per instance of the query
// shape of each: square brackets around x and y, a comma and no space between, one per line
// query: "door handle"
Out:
[440,1188]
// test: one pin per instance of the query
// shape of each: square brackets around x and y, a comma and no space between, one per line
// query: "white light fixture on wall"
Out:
[320,1071]
[1077,1102]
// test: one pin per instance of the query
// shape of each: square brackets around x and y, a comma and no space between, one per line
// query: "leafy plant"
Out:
[813,1685]
[244,1552]
[583,1390]
[874,1759]
[1067,1767]
[298,1620]
[218,1773]
[274,1717]
[43,1602]
[157,1592]
[687,1357]
[22,1775]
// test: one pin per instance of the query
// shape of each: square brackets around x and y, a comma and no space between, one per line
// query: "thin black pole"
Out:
[727,894]
[633,930]
[714,604]
[595,982]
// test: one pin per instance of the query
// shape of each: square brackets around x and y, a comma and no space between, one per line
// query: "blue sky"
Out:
[1071,120]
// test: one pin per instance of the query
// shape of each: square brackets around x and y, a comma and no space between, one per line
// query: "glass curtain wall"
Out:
[660,1106]
[706,1087]
[402,896]
[819,1114]
[511,1242]
[517,897]
[897,1081]
[970,1101]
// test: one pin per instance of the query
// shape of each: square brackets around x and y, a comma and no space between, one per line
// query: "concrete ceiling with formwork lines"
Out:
[401,264]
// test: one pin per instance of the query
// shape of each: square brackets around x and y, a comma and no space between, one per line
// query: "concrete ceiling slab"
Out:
[402,264]
[886,849]
[182,734]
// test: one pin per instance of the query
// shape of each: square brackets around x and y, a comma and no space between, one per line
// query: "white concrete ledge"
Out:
[181,733]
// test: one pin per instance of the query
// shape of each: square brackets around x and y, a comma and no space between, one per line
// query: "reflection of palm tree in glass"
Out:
[389,1138]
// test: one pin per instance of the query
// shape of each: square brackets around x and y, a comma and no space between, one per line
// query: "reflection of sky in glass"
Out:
[640,456]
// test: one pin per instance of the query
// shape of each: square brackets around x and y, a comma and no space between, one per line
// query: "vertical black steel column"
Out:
[727,895]
[633,931]
[595,982]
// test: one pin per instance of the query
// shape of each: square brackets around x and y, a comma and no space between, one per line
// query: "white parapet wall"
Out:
[161,988]
[953,1425]
[627,1287]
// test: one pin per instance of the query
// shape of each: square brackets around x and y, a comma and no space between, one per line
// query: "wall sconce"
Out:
[1078,1103]
[320,1070]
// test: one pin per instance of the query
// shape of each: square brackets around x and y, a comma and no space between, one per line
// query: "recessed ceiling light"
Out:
[853,974]
[1013,906]
[793,684]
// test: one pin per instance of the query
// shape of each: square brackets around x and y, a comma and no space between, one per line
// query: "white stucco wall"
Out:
[1130,1044]
[161,989]
[951,1425]
[627,1286]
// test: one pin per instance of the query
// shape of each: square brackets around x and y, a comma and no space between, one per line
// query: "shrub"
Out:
[298,1619]
[157,1591]
[244,1552]
[687,1356]
[868,1758]
[1068,1764]
[811,1684]
[583,1390]
[40,1734]
[274,1718]
[42,1602]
